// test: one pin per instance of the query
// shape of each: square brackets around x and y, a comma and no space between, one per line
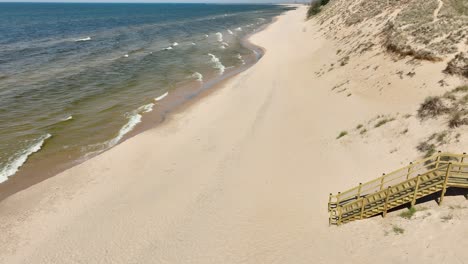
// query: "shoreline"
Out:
[178,100]
[244,175]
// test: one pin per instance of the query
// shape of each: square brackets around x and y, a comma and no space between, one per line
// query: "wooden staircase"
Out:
[404,186]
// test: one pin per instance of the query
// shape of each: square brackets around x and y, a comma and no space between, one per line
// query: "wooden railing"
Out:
[450,170]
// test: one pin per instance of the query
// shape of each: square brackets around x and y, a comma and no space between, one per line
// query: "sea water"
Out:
[76,78]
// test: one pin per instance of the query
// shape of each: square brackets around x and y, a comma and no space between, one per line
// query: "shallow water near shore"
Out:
[76,78]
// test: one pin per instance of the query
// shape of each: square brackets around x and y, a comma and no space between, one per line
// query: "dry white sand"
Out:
[243,176]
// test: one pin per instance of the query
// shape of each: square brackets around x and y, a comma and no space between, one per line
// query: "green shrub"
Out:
[342,134]
[313,9]
[409,213]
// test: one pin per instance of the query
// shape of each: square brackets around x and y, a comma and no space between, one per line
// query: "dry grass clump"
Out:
[383,122]
[453,103]
[458,65]
[398,230]
[427,148]
[458,119]
[417,33]
[342,134]
[431,107]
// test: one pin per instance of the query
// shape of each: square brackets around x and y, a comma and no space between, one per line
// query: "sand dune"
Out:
[243,175]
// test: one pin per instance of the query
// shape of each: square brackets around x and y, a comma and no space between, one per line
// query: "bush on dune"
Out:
[316,7]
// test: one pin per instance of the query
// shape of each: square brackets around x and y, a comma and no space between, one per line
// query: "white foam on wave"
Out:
[219,36]
[70,117]
[159,98]
[168,48]
[194,44]
[134,118]
[230,32]
[206,36]
[198,76]
[239,57]
[145,108]
[15,162]
[83,39]
[175,44]
[126,55]
[217,63]
[238,29]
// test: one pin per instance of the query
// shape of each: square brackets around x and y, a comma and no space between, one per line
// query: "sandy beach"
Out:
[243,175]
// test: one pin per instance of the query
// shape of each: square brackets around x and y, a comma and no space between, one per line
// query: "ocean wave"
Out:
[159,98]
[206,36]
[134,118]
[219,36]
[175,44]
[230,32]
[126,56]
[198,76]
[239,57]
[145,108]
[18,160]
[217,63]
[70,117]
[238,29]
[168,48]
[194,44]
[83,39]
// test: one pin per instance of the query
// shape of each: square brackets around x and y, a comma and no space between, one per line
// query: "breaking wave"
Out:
[219,36]
[83,39]
[198,76]
[217,63]
[159,98]
[239,57]
[230,32]
[15,162]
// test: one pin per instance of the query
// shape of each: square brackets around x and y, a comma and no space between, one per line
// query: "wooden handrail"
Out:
[410,169]
[438,170]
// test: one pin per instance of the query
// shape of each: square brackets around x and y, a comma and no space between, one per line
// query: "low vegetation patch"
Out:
[408,213]
[383,122]
[453,104]
[428,149]
[342,134]
[431,107]
[316,7]
[398,230]
[446,218]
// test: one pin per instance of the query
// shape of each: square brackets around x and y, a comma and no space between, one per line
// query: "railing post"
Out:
[359,191]
[438,159]
[444,187]
[329,202]
[382,181]
[339,215]
[410,168]
[338,199]
[418,180]
[387,196]
[462,159]
[362,207]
